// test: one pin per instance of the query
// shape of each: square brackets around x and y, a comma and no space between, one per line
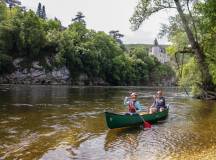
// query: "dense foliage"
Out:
[192,33]
[188,71]
[24,34]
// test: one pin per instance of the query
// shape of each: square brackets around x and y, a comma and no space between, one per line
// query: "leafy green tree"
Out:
[191,76]
[51,24]
[107,49]
[148,68]
[122,71]
[32,36]
[70,47]
[3,12]
[9,33]
[205,13]
[146,8]
[140,63]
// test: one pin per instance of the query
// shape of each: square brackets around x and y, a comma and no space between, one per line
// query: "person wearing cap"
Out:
[132,103]
[159,103]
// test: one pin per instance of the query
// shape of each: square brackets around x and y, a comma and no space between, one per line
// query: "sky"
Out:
[105,15]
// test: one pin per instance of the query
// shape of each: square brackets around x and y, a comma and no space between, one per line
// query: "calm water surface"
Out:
[64,123]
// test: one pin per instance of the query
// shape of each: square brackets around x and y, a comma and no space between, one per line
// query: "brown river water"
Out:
[64,123]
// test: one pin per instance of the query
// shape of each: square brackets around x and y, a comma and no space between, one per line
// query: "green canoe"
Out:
[114,120]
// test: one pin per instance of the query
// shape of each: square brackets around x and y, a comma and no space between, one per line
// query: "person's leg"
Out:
[153,110]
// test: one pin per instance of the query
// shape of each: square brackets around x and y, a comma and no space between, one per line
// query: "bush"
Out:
[6,64]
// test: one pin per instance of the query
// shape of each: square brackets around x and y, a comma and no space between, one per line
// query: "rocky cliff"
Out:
[37,74]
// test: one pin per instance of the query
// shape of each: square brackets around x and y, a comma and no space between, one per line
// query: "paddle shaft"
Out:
[141,118]
[145,123]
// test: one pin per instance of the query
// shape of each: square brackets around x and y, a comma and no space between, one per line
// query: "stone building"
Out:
[159,52]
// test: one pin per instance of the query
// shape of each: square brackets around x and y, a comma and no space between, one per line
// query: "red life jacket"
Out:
[131,107]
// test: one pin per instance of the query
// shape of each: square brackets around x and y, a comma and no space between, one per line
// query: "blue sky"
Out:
[105,15]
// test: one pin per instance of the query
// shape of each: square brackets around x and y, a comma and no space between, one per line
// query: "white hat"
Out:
[133,94]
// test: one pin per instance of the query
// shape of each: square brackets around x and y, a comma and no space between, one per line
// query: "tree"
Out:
[11,3]
[79,18]
[32,36]
[3,12]
[9,32]
[205,13]
[39,10]
[146,8]
[117,36]
[43,13]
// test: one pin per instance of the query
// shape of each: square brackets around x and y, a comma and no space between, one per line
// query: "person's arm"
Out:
[139,106]
[126,101]
[153,104]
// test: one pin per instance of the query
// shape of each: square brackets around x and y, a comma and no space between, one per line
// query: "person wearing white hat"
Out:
[132,103]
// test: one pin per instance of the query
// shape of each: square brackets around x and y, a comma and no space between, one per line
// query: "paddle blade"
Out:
[147,125]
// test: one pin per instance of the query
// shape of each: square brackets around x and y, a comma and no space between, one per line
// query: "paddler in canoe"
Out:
[159,103]
[133,104]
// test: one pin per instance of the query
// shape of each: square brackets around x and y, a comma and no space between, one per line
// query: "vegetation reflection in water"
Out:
[62,122]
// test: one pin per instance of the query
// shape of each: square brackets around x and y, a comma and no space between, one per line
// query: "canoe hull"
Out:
[119,120]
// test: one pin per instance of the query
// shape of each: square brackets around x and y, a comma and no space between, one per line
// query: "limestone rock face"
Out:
[16,62]
[36,65]
[61,73]
[36,75]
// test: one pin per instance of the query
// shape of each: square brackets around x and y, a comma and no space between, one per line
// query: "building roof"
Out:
[139,45]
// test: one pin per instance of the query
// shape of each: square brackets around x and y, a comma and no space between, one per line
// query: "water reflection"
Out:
[127,136]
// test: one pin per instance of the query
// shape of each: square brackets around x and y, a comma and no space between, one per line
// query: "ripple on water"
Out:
[92,114]
[59,127]
[22,105]
[15,118]
[88,150]
[4,122]
[17,148]
[70,125]
[61,152]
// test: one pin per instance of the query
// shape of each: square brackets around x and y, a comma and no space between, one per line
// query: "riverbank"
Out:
[60,77]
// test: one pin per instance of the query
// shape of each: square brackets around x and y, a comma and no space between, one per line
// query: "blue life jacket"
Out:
[160,102]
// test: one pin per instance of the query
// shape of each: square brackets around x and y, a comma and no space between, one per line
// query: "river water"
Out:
[63,123]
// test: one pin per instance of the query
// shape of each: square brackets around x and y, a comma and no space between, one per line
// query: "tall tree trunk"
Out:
[207,83]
